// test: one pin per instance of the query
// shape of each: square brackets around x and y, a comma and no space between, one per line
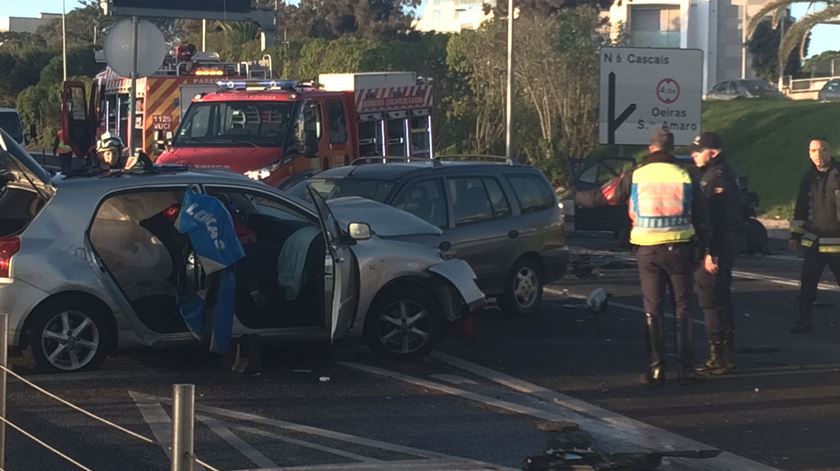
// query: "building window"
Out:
[655,25]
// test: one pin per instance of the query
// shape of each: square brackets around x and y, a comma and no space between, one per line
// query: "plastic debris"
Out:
[324,379]
[597,300]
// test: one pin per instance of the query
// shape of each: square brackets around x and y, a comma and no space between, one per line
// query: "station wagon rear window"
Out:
[377,190]
[533,192]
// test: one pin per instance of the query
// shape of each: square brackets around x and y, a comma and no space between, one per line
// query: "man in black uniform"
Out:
[816,226]
[668,213]
[714,277]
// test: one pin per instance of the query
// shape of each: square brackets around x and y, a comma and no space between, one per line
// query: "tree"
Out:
[332,19]
[825,64]
[764,46]
[797,34]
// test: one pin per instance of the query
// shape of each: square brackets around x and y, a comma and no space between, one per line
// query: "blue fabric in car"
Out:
[292,261]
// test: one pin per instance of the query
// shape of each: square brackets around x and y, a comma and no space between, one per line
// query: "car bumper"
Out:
[555,263]
[17,299]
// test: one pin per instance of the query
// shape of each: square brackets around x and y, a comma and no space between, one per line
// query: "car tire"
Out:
[523,289]
[404,323]
[69,335]
[756,236]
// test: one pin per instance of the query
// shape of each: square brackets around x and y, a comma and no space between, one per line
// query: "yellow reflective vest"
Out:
[660,205]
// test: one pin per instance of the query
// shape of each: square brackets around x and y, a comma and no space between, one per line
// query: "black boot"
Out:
[656,350]
[729,352]
[685,353]
[715,361]
[804,323]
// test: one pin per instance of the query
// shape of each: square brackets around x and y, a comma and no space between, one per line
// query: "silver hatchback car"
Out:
[92,263]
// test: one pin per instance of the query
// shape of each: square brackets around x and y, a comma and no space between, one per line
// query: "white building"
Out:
[714,26]
[451,16]
[20,24]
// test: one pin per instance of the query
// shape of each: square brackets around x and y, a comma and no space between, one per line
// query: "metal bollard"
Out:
[183,426]
[4,357]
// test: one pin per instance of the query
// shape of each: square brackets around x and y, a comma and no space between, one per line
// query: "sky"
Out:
[823,37]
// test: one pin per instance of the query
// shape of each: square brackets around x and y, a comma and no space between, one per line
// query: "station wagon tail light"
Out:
[8,247]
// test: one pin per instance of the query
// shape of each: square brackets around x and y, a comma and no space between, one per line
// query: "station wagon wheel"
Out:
[523,289]
[405,323]
[69,336]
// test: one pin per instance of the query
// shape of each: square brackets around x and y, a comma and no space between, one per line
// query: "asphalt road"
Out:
[482,402]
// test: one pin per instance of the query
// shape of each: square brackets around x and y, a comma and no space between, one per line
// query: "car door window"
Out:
[498,200]
[284,259]
[470,200]
[426,200]
[533,192]
[338,126]
[134,236]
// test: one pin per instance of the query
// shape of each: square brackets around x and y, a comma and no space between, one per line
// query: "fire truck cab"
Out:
[272,129]
[161,99]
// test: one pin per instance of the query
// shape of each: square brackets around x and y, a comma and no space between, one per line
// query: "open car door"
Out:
[78,124]
[586,174]
[340,274]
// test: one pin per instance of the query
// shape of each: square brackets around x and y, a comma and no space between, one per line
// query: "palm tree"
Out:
[796,35]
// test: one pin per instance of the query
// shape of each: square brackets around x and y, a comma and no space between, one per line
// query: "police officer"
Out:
[668,215]
[816,226]
[714,277]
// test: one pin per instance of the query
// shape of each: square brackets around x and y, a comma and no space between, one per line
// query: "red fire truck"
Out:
[272,129]
[161,99]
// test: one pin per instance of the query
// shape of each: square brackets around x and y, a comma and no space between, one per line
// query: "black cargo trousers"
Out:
[813,264]
[661,266]
[714,292]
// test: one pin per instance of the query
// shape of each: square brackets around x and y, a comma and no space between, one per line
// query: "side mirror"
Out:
[359,230]
[310,144]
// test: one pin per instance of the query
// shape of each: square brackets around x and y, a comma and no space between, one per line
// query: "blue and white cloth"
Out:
[210,227]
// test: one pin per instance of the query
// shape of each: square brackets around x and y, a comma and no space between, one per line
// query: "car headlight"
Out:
[263,173]
[260,174]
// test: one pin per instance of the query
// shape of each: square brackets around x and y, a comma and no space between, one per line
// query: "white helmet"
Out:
[109,142]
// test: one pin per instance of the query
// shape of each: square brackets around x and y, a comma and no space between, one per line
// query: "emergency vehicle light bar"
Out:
[258,85]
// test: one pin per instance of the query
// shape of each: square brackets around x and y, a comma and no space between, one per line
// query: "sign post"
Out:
[647,88]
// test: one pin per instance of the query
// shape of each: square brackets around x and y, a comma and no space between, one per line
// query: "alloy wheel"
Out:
[404,327]
[70,340]
[526,287]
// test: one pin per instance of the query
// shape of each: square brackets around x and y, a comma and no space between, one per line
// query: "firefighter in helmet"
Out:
[109,151]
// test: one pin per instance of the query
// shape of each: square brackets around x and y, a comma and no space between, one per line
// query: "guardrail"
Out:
[803,89]
[183,417]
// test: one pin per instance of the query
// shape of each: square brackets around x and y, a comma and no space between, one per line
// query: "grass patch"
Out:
[767,141]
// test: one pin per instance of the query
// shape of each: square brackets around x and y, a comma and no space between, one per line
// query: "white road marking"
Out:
[157,419]
[303,443]
[431,460]
[404,465]
[490,401]
[606,426]
[453,379]
[629,307]
[220,428]
[739,273]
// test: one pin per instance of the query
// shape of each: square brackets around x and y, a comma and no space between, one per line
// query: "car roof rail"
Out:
[378,159]
[476,157]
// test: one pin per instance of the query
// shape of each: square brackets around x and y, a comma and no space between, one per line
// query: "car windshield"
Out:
[759,87]
[254,123]
[330,188]
[10,122]
[832,85]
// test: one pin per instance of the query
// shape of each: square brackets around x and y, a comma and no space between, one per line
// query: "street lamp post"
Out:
[63,41]
[509,105]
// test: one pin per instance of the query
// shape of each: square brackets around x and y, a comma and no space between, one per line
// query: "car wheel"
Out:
[523,289]
[405,323]
[756,236]
[70,335]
